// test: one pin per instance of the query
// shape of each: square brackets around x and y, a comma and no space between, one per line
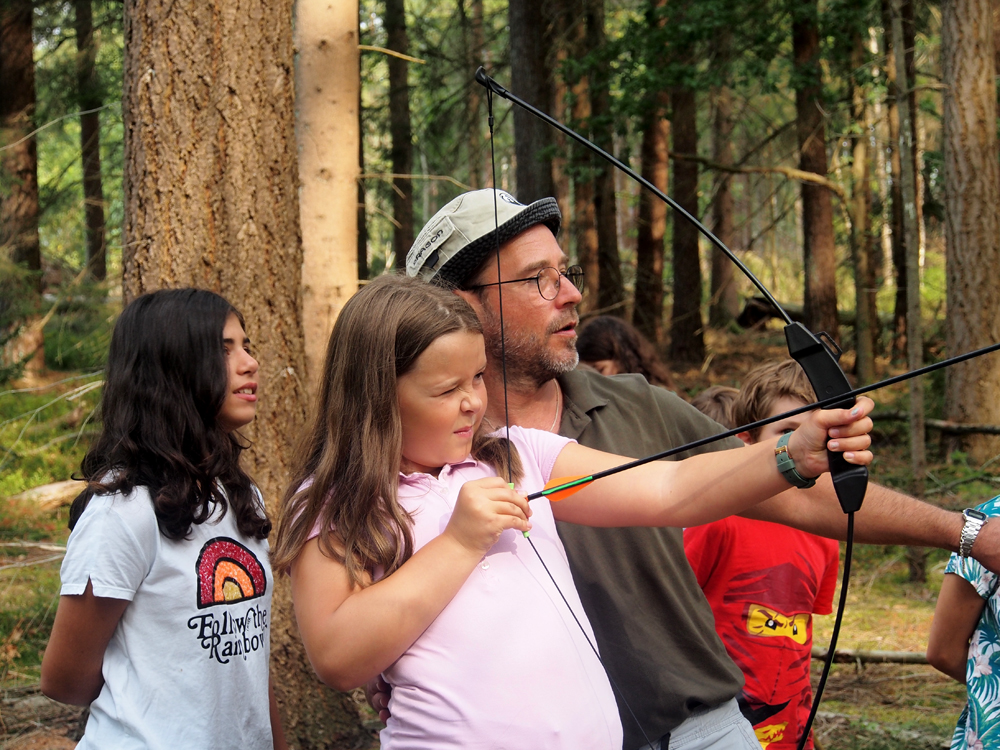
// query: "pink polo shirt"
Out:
[504,666]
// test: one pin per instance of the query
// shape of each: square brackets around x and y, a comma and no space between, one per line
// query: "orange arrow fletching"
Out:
[569,486]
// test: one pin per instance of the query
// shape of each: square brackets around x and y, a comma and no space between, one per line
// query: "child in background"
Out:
[968,609]
[764,580]
[404,540]
[613,347]
[717,402]
[163,624]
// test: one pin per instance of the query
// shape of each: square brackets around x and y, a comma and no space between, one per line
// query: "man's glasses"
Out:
[547,280]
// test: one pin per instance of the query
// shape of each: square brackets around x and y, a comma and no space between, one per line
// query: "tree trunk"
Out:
[610,291]
[362,197]
[972,221]
[19,157]
[211,199]
[328,134]
[866,317]
[896,216]
[584,224]
[558,13]
[687,342]
[647,311]
[530,38]
[399,131]
[90,139]
[914,329]
[19,163]
[473,44]
[724,305]
[819,252]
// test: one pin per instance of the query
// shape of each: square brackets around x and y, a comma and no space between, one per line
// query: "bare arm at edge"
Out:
[886,517]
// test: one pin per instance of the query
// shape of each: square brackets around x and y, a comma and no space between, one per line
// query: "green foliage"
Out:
[18,302]
[60,172]
[78,335]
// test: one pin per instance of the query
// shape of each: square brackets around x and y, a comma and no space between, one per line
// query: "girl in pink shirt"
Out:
[404,540]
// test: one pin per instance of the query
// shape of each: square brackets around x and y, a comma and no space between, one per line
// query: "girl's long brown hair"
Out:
[353,449]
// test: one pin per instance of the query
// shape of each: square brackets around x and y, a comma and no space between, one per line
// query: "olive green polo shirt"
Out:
[654,627]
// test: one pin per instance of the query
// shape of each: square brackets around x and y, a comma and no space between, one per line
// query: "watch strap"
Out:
[974,522]
[786,465]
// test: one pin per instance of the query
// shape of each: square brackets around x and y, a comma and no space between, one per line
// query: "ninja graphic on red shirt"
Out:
[764,582]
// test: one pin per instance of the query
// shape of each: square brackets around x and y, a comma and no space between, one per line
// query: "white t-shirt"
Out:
[187,666]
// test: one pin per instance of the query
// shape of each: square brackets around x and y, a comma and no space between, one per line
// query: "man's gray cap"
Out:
[457,239]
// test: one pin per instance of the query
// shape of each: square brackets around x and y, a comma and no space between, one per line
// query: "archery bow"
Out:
[814,353]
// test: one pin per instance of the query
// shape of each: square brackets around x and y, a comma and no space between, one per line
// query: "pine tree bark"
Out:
[328,133]
[819,252]
[647,311]
[19,157]
[866,317]
[473,44]
[610,291]
[90,139]
[724,305]
[530,70]
[972,215]
[400,131]
[211,200]
[687,341]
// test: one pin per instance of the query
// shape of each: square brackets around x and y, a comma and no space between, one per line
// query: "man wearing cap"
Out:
[654,626]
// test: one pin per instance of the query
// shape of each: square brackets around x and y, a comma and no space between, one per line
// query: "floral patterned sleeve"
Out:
[979,725]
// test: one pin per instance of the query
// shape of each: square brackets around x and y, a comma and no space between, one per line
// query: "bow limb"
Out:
[815,355]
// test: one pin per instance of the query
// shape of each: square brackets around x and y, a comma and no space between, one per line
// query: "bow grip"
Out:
[828,380]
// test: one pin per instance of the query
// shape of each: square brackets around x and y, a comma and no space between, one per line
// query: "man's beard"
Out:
[529,360]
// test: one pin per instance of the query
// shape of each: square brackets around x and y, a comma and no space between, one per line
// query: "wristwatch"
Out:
[974,522]
[787,466]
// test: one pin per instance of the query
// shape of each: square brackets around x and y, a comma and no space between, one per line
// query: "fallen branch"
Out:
[955,428]
[853,656]
[51,496]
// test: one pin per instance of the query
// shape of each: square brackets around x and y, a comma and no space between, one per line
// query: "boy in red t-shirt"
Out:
[765,581]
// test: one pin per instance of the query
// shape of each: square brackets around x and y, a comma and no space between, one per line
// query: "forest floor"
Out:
[866,707]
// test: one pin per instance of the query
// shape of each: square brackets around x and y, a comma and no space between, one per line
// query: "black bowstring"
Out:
[503,369]
[492,86]
[832,649]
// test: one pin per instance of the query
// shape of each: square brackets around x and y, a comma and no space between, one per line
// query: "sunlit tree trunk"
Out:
[90,139]
[687,342]
[819,252]
[647,312]
[328,133]
[211,200]
[972,215]
[399,131]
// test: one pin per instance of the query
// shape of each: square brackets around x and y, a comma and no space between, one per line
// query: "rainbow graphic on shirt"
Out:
[228,573]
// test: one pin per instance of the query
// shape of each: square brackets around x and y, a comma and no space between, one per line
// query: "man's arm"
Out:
[887,517]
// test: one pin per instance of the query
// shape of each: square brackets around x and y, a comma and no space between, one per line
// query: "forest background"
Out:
[283,153]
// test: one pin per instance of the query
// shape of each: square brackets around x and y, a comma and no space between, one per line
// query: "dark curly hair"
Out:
[165,382]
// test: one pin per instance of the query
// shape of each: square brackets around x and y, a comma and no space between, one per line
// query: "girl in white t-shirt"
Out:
[163,624]
[404,541]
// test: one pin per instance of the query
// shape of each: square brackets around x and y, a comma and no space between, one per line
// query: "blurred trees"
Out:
[776,122]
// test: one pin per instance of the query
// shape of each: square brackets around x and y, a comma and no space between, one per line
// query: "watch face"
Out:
[972,513]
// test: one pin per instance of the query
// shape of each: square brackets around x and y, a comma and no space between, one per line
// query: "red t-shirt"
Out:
[764,582]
